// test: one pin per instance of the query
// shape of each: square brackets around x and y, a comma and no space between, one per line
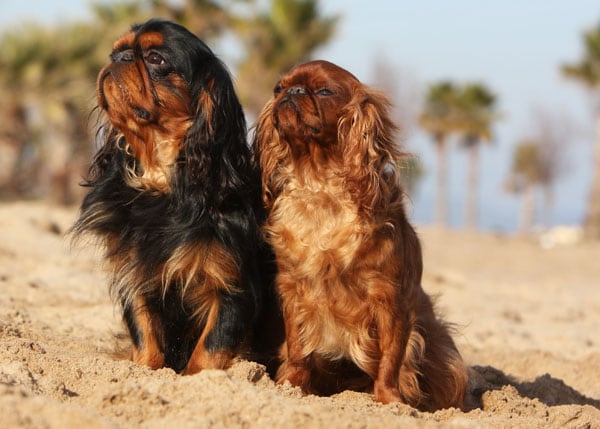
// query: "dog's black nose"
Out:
[296,90]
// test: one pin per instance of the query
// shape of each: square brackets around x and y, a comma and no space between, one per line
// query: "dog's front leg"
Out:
[294,366]
[393,331]
[227,321]
[144,327]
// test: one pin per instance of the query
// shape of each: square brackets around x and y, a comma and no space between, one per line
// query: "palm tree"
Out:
[476,115]
[587,71]
[439,118]
[526,173]
[276,41]
[553,132]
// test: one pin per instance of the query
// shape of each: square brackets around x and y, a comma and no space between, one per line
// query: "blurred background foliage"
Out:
[48,74]
[48,115]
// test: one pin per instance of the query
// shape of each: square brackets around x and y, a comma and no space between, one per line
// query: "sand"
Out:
[528,323]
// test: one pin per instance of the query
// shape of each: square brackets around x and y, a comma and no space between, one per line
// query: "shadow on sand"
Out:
[548,390]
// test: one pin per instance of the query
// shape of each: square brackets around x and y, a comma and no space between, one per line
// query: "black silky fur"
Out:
[214,198]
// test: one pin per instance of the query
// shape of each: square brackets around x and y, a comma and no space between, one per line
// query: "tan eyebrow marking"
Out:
[126,41]
[149,40]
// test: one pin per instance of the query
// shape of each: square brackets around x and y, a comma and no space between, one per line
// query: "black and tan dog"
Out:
[175,200]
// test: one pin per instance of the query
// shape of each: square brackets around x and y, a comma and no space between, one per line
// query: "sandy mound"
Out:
[528,324]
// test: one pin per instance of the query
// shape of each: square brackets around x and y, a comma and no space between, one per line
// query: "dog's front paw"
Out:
[298,376]
[387,394]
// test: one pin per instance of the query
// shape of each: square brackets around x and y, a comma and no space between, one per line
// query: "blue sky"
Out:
[515,47]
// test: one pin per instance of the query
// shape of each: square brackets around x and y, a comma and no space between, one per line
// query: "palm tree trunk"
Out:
[527,209]
[472,204]
[548,217]
[441,198]
[592,220]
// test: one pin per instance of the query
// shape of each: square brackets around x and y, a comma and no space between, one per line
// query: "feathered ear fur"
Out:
[271,153]
[110,143]
[215,151]
[366,135]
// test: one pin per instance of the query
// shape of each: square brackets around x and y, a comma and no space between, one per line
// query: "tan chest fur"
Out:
[317,234]
[314,230]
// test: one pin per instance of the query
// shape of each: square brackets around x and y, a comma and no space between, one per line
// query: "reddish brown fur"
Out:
[156,140]
[349,262]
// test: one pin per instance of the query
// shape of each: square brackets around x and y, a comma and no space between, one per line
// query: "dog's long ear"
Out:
[109,140]
[269,154]
[215,154]
[366,134]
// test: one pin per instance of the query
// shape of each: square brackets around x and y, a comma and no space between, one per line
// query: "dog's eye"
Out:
[155,59]
[324,92]
[277,89]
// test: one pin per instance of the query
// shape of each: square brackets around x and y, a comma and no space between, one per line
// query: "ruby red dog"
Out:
[349,261]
